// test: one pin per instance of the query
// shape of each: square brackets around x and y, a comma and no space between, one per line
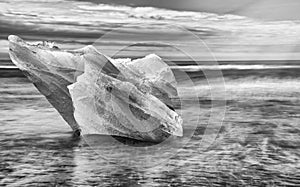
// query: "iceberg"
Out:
[96,94]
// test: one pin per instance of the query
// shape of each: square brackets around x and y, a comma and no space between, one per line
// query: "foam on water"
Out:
[233,67]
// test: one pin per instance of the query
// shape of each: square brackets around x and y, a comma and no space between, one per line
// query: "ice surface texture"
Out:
[100,95]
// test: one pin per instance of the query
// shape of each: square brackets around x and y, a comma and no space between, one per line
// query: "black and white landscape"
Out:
[236,68]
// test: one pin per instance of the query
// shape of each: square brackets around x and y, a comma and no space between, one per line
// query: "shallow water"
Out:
[258,143]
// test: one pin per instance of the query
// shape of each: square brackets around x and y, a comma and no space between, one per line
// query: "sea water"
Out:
[256,144]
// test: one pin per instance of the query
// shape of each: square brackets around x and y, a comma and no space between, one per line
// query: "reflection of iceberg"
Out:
[99,95]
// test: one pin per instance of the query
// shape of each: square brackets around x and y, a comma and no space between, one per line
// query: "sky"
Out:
[260,9]
[221,25]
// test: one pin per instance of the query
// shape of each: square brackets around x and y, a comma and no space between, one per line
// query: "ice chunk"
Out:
[119,106]
[100,95]
[51,70]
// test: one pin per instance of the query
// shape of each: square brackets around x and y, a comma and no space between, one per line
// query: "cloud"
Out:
[74,23]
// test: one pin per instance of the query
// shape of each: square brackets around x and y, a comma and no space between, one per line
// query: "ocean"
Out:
[239,99]
[257,142]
